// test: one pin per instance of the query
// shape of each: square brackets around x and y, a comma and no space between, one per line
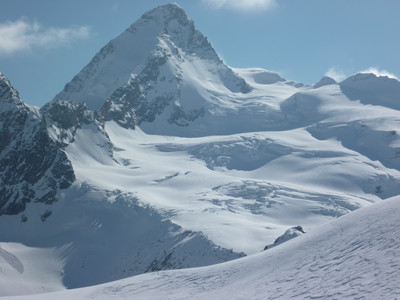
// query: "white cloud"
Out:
[378,72]
[336,74]
[22,35]
[115,7]
[242,5]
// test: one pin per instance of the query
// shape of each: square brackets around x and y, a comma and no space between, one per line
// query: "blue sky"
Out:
[44,43]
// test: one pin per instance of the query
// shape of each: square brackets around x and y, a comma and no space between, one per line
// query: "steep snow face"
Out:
[32,166]
[162,34]
[176,94]
[26,270]
[372,89]
[354,257]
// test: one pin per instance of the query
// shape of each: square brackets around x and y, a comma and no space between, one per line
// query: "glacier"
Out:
[159,156]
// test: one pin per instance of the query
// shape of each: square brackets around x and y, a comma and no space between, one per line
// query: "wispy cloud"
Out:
[378,72]
[23,35]
[336,74]
[242,5]
[115,7]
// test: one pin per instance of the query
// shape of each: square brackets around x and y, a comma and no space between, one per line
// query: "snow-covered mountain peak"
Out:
[9,97]
[325,81]
[166,27]
[161,72]
[171,22]
[5,88]
[372,76]
[165,14]
[371,81]
[371,88]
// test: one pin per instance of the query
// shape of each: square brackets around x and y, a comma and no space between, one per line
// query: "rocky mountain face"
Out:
[66,117]
[41,207]
[33,166]
[148,73]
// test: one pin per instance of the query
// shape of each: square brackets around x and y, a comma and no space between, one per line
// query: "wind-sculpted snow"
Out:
[354,257]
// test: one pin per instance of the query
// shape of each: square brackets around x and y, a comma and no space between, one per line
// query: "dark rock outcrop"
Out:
[288,235]
[32,165]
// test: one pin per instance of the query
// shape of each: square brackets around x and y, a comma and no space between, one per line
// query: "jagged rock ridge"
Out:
[150,70]
[33,166]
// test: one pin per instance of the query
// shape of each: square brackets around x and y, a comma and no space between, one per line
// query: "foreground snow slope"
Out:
[29,270]
[353,257]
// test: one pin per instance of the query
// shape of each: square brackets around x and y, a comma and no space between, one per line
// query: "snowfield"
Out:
[353,257]
[159,156]
[330,156]
[27,270]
